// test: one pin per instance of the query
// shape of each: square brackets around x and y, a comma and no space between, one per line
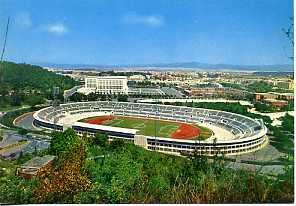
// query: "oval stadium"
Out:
[164,128]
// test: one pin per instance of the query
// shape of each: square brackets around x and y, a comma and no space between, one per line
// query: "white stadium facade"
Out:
[233,134]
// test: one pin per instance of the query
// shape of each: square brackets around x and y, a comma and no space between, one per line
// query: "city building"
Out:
[137,78]
[276,103]
[273,95]
[285,84]
[206,92]
[106,85]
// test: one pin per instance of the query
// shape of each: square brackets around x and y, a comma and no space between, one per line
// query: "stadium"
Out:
[164,128]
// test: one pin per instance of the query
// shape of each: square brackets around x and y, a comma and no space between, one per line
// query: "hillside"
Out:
[29,84]
[26,76]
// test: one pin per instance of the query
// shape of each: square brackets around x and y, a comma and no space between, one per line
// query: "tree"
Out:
[263,107]
[117,144]
[288,123]
[22,131]
[16,190]
[92,97]
[122,98]
[101,139]
[15,99]
[62,142]
[20,79]
[78,97]
[103,97]
[33,100]
[66,179]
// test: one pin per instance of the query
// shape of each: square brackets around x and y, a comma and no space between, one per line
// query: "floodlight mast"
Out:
[5,39]
[3,50]
[155,130]
[55,104]
[155,124]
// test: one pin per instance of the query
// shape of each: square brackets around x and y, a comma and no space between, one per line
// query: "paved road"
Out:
[26,122]
[274,116]
[34,143]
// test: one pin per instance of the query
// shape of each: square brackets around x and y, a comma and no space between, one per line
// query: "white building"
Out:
[137,78]
[106,84]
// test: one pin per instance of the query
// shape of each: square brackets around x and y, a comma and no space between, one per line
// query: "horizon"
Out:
[195,66]
[132,33]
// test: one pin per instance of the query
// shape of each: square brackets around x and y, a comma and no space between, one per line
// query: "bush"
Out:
[63,142]
[101,139]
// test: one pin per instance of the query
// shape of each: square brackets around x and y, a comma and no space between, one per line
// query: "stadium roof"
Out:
[106,128]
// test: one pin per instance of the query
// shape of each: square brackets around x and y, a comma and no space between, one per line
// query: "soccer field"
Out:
[150,127]
[145,126]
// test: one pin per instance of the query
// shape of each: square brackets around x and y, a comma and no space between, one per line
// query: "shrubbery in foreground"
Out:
[94,171]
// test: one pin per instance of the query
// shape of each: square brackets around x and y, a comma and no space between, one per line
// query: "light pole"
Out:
[3,51]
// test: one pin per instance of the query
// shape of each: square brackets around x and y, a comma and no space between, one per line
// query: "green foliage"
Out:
[263,107]
[16,190]
[33,100]
[289,107]
[231,85]
[93,97]
[117,144]
[134,175]
[281,140]
[30,77]
[9,117]
[122,98]
[101,140]
[288,123]
[62,142]
[125,173]
[15,99]
[22,131]
[260,87]
[25,83]
[78,97]
[7,168]
[103,97]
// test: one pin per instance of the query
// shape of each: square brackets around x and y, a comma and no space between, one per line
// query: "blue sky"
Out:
[154,31]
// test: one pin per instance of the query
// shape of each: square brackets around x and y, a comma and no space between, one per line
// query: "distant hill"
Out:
[182,65]
[31,77]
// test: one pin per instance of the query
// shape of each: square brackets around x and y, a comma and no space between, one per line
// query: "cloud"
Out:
[23,20]
[147,20]
[57,28]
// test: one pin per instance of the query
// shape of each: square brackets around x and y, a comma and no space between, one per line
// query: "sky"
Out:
[244,32]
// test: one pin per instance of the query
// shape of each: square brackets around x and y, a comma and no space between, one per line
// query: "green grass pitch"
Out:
[145,126]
